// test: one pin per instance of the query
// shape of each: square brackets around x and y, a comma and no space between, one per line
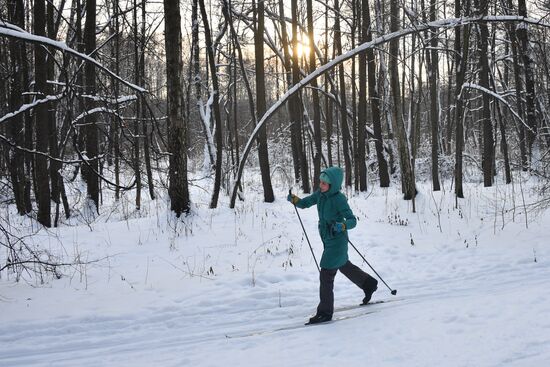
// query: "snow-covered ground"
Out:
[472,286]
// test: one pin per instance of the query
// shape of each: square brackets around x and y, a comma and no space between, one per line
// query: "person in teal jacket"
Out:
[335,219]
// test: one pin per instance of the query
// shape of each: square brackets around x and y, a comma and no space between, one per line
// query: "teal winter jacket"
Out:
[332,207]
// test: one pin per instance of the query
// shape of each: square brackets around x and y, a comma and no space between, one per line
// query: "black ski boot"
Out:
[320,317]
[369,287]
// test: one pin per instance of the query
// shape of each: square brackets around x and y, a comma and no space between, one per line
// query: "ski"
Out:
[361,305]
[340,318]
[297,326]
[367,307]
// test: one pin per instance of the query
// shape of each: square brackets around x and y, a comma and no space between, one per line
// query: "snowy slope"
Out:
[472,287]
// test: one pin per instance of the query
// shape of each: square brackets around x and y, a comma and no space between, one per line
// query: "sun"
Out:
[302,48]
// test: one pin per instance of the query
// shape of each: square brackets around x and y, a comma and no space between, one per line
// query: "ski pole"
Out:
[393,291]
[303,229]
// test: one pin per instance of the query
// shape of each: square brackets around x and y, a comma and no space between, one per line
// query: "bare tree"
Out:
[41,173]
[139,116]
[346,138]
[362,108]
[315,98]
[215,105]
[178,189]
[56,181]
[90,169]
[375,103]
[17,84]
[296,114]
[407,179]
[144,112]
[462,38]
[433,77]
[529,79]
[329,105]
[263,153]
[487,123]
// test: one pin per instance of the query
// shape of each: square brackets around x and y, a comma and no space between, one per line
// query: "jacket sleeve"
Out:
[308,201]
[346,212]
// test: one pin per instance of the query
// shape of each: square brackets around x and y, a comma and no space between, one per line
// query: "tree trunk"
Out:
[519,93]
[433,77]
[462,45]
[145,125]
[16,129]
[315,97]
[263,153]
[414,121]
[136,159]
[354,26]
[178,189]
[55,166]
[503,142]
[90,169]
[215,106]
[374,99]
[362,108]
[407,177]
[343,108]
[297,105]
[488,139]
[41,121]
[197,79]
[329,106]
[231,97]
[116,132]
[523,37]
[294,101]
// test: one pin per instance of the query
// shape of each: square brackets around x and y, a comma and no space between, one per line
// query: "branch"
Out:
[10,30]
[37,152]
[497,97]
[29,106]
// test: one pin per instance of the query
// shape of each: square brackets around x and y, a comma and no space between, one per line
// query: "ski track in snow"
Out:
[481,305]
[453,315]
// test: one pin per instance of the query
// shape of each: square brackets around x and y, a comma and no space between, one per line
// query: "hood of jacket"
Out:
[336,175]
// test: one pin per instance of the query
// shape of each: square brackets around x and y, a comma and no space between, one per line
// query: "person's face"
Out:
[323,186]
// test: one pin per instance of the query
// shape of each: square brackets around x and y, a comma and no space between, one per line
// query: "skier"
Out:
[335,219]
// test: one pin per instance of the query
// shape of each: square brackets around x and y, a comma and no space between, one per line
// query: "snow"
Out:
[94,111]
[499,98]
[29,106]
[10,30]
[107,99]
[472,285]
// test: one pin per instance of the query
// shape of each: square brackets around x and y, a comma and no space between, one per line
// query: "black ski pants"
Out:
[326,287]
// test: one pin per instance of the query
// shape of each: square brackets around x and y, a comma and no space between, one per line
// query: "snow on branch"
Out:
[205,111]
[37,152]
[10,30]
[497,97]
[29,106]
[95,110]
[119,100]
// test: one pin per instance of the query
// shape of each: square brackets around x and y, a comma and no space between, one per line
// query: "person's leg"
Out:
[361,279]
[326,292]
